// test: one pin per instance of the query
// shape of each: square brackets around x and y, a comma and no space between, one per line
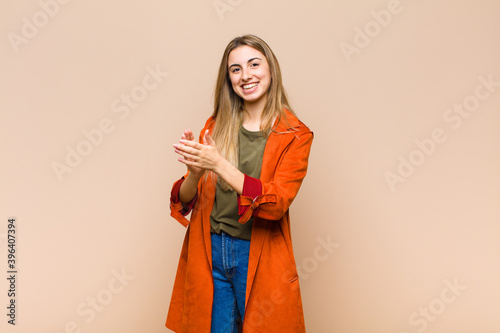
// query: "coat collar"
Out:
[286,125]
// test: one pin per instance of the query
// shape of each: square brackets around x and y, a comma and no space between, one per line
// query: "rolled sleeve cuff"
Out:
[174,198]
[252,189]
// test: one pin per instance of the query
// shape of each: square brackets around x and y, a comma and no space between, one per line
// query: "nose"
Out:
[246,75]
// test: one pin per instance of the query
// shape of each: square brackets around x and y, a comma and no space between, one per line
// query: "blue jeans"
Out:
[229,269]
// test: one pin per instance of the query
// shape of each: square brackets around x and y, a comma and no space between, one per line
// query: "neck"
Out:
[253,112]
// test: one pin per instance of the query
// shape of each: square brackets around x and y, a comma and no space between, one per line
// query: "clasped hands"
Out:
[198,157]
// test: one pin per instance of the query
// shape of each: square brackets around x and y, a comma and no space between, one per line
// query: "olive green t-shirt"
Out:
[224,216]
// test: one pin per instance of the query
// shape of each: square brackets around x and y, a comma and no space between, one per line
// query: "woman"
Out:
[237,269]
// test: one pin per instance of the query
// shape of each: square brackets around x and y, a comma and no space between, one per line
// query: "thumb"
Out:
[207,139]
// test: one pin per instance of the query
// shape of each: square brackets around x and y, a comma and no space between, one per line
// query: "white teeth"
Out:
[249,86]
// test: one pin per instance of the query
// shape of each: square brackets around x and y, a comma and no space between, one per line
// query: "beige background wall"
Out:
[403,182]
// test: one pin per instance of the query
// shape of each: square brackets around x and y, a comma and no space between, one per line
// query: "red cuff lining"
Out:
[252,187]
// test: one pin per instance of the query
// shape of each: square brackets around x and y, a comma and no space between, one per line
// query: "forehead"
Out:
[242,54]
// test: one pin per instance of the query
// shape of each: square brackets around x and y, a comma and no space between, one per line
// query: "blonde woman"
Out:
[237,269]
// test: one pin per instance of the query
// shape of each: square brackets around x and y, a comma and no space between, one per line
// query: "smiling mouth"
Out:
[249,86]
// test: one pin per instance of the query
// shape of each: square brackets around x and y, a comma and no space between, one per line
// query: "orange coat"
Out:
[273,301]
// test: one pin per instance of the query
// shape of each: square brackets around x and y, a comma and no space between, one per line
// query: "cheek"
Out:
[234,80]
[266,73]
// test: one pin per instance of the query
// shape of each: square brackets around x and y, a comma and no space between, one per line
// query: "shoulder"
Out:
[290,123]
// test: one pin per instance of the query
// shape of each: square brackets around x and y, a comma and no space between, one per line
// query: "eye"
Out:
[235,70]
[255,64]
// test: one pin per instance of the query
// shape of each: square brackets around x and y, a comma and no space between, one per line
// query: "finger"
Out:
[186,155]
[208,139]
[187,149]
[188,135]
[192,144]
[187,159]
[205,142]
[189,163]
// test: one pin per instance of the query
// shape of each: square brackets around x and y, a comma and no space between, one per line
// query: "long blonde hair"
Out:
[228,106]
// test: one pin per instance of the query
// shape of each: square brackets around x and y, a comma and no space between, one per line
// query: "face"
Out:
[249,74]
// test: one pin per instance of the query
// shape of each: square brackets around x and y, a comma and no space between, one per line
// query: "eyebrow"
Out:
[250,60]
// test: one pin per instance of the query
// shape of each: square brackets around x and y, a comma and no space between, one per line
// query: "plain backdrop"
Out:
[403,182]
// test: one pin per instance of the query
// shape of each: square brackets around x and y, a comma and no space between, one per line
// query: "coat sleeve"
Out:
[270,200]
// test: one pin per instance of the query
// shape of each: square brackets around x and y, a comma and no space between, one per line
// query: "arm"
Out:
[184,193]
[189,188]
[270,200]
[230,174]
